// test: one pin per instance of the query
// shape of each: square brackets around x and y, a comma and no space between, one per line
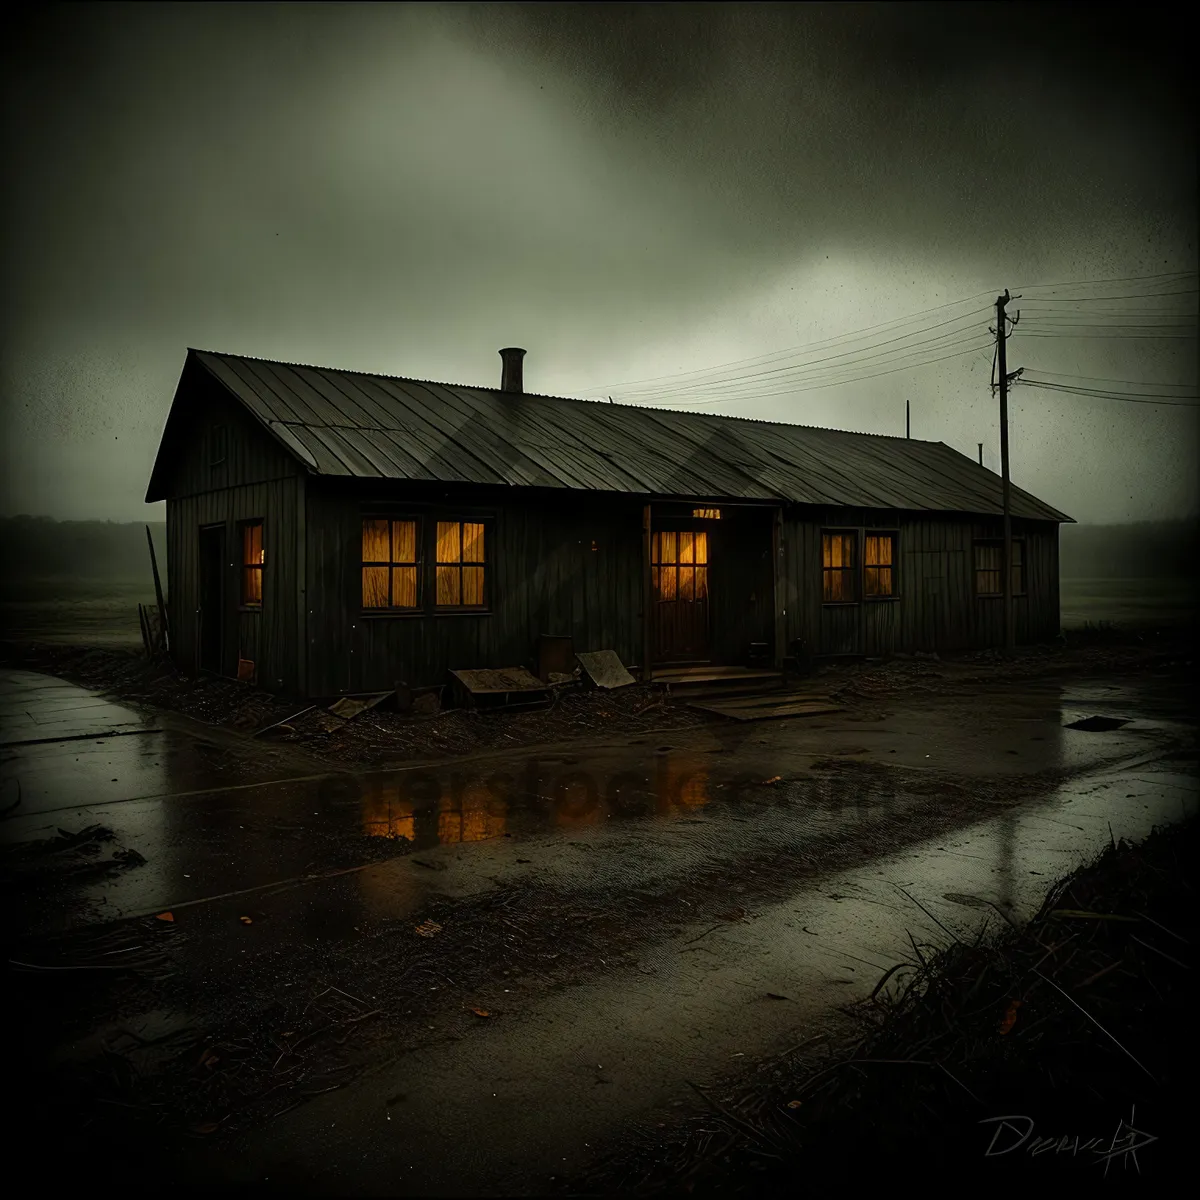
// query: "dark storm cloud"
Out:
[406,188]
[888,121]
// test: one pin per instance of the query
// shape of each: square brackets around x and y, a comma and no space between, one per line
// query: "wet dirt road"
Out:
[647,901]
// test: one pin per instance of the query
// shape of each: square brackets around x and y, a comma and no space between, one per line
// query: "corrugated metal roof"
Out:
[380,427]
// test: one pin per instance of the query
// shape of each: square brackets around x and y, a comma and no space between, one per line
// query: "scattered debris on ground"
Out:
[376,734]
[382,729]
[1059,1047]
[604,669]
[44,866]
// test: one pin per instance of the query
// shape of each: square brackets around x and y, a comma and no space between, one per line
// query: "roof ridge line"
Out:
[278,362]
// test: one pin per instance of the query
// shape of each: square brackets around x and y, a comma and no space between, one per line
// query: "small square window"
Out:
[989,567]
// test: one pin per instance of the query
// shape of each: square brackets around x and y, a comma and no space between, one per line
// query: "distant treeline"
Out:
[41,547]
[1141,550]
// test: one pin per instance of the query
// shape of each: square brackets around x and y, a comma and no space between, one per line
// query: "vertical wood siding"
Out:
[937,609]
[543,577]
[266,636]
[258,481]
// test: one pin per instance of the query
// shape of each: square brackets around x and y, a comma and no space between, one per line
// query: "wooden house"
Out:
[334,532]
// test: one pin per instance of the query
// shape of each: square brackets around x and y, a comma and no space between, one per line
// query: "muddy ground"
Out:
[1055,1052]
[381,736]
[243,1058]
[289,998]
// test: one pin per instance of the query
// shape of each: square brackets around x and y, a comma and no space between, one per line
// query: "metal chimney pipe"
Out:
[510,375]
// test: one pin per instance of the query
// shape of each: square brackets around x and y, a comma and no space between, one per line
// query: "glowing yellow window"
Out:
[838,568]
[390,564]
[879,565]
[460,564]
[679,565]
[252,564]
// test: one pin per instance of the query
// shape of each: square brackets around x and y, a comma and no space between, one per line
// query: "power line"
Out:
[681,384]
[835,383]
[1094,299]
[817,345]
[801,370]
[1101,379]
[1103,394]
[1060,317]
[1106,320]
[847,372]
[1125,327]
[1122,279]
[863,353]
[1143,337]
[1112,304]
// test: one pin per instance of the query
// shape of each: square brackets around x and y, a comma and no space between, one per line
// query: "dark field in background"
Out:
[81,581]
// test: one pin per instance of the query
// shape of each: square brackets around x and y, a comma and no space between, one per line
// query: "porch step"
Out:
[696,683]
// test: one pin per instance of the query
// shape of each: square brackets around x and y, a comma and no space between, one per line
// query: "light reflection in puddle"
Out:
[436,808]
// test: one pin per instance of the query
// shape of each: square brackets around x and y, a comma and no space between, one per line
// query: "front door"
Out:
[212,598]
[679,582]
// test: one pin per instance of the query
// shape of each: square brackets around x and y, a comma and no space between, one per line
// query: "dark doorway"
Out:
[679,561]
[212,592]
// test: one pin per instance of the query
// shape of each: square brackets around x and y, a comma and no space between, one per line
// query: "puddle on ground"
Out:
[696,1001]
[211,816]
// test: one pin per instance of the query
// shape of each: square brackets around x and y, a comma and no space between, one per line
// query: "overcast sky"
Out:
[625,191]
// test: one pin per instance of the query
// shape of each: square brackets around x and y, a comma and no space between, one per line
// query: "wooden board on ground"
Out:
[498,683]
[687,676]
[605,669]
[350,707]
[766,708]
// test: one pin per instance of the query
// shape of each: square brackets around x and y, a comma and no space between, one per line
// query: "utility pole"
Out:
[907,422]
[1002,363]
[981,454]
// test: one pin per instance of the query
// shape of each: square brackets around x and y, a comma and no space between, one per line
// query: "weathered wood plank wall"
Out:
[558,563]
[257,481]
[543,577]
[937,608]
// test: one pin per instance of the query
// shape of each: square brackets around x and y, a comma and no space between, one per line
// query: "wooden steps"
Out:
[688,679]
